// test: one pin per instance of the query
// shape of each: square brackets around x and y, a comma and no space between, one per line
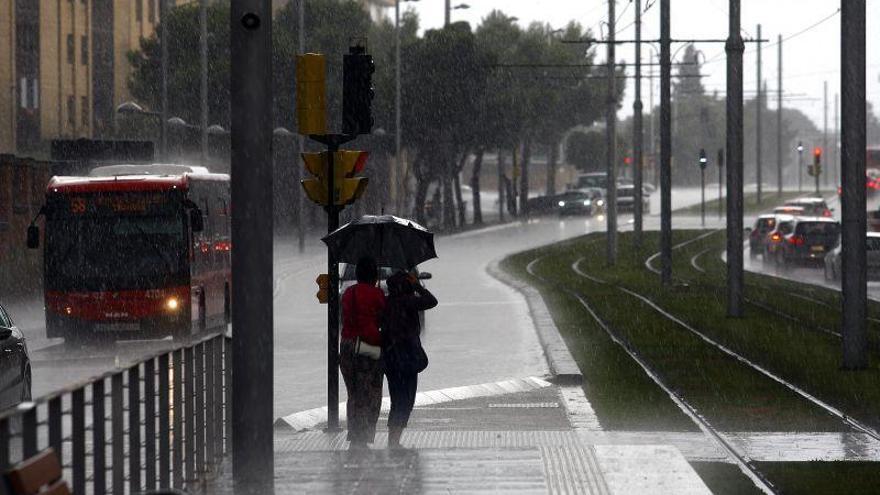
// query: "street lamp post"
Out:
[450,8]
[800,170]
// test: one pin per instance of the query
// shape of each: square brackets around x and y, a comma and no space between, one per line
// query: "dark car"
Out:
[813,206]
[626,198]
[834,259]
[810,240]
[578,203]
[15,364]
[758,237]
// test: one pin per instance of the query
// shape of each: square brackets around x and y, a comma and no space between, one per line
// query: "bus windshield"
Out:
[127,252]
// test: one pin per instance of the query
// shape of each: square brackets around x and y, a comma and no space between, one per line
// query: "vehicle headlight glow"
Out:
[172,304]
[561,204]
[600,202]
[586,202]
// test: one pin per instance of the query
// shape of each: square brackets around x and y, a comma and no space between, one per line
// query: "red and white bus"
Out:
[136,251]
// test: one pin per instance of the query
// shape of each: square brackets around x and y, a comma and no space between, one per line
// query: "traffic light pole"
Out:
[665,147]
[735,48]
[703,196]
[332,141]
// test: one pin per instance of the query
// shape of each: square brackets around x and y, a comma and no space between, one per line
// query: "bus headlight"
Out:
[172,304]
[561,204]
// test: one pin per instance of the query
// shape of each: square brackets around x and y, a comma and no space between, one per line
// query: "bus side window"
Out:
[207,235]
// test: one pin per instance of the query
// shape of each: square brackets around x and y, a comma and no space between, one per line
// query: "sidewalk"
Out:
[522,442]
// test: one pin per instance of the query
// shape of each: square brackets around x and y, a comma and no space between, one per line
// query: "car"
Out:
[597,180]
[15,364]
[813,206]
[764,224]
[872,250]
[789,210]
[810,239]
[626,198]
[578,203]
[776,236]
[348,278]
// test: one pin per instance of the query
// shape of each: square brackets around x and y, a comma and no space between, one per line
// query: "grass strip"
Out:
[750,203]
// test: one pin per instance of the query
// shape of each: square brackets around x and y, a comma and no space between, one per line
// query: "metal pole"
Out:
[779,120]
[800,171]
[652,143]
[297,170]
[611,144]
[835,160]
[638,135]
[720,183]
[665,148]
[398,175]
[824,126]
[163,126]
[703,196]
[734,49]
[332,301]
[853,145]
[251,111]
[203,42]
[759,107]
[447,13]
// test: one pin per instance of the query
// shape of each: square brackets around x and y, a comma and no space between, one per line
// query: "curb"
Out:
[562,365]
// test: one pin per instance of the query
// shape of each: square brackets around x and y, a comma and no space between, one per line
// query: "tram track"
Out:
[737,457]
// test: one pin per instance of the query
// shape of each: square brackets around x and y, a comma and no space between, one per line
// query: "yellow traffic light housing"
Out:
[311,97]
[316,188]
[346,187]
[323,282]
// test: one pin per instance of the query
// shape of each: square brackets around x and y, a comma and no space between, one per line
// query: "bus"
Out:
[135,251]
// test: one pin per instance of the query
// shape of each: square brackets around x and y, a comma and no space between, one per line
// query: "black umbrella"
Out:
[391,241]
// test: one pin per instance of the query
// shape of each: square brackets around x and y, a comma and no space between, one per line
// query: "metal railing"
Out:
[160,423]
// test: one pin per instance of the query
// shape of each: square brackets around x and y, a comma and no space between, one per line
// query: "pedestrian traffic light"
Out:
[346,187]
[720,157]
[357,91]
[704,160]
[311,100]
[323,282]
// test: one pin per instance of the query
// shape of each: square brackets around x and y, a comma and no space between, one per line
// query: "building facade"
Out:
[64,67]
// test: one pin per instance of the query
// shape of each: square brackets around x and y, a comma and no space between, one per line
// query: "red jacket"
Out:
[362,308]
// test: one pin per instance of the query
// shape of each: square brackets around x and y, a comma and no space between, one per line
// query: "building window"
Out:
[71,111]
[84,49]
[84,109]
[35,94]
[70,48]
[139,10]
[23,91]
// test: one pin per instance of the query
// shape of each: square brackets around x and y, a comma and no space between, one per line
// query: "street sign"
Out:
[347,188]
[323,282]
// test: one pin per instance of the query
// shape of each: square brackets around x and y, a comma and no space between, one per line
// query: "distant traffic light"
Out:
[817,162]
[704,160]
[323,282]
[720,157]
[311,98]
[357,91]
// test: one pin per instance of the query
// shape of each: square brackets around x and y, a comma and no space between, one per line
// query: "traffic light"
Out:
[311,98]
[720,158]
[817,161]
[357,91]
[323,282]
[346,187]
[704,160]
[811,170]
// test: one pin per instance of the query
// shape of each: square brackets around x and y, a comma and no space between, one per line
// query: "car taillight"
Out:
[796,240]
[826,213]
[775,237]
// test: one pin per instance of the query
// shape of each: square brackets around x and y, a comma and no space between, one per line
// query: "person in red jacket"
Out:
[359,353]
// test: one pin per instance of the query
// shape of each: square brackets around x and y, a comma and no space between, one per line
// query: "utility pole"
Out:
[853,144]
[735,48]
[759,108]
[835,157]
[720,182]
[665,148]
[447,12]
[163,126]
[825,124]
[251,112]
[800,170]
[203,46]
[638,135]
[611,144]
[779,120]
[398,175]
[652,143]
[297,171]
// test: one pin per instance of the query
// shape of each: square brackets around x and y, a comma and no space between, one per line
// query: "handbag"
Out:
[408,357]
[362,348]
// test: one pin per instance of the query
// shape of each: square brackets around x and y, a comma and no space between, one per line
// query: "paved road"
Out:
[481,332]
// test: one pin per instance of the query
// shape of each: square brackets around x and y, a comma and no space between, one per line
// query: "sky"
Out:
[810,57]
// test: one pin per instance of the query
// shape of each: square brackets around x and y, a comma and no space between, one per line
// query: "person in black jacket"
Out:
[402,348]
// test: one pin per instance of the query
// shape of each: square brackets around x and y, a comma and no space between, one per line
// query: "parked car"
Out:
[813,206]
[872,247]
[15,364]
[758,236]
[776,236]
[810,240]
[789,210]
[578,203]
